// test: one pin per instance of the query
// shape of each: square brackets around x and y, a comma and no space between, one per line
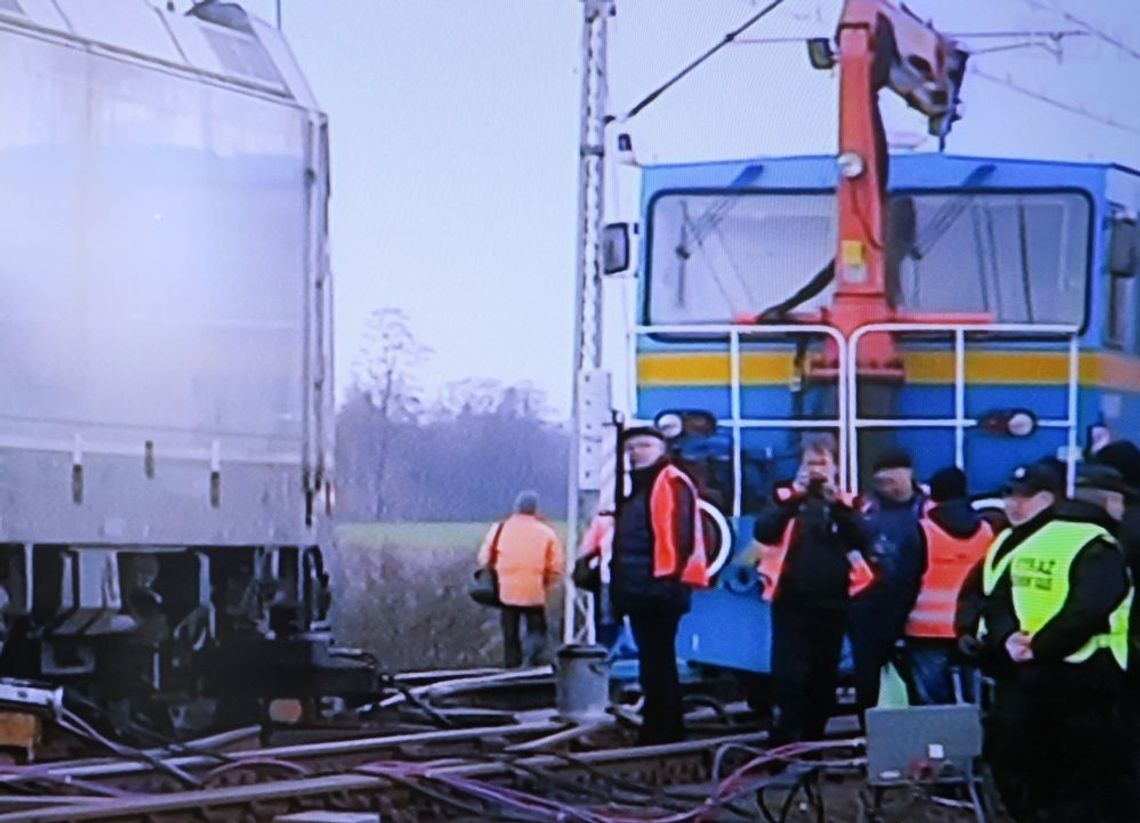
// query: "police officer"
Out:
[1057,600]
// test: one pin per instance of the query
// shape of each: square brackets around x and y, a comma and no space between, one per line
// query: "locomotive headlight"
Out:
[1012,422]
[1021,423]
[851,165]
[676,422]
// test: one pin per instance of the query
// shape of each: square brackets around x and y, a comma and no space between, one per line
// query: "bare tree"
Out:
[525,400]
[384,372]
[464,459]
[471,396]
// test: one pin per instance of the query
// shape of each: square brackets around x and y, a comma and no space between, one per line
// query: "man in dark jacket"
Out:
[1121,495]
[1124,457]
[658,552]
[878,618]
[812,541]
[1057,598]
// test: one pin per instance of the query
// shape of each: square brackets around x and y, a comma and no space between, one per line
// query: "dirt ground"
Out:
[402,595]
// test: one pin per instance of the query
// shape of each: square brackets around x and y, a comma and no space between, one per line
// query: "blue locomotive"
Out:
[1012,333]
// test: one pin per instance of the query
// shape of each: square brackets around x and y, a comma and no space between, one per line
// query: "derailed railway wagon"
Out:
[165,360]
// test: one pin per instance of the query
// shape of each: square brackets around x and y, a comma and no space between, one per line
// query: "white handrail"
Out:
[847,421]
[735,333]
[960,422]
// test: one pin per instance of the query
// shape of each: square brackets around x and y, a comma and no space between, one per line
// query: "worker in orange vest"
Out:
[527,555]
[811,563]
[956,539]
[658,555]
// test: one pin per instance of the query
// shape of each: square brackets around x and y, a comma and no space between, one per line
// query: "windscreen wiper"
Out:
[822,279]
[948,214]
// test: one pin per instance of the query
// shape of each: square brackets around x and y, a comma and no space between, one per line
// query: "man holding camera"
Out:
[811,564]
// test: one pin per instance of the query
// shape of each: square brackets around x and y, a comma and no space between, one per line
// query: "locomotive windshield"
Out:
[1019,257]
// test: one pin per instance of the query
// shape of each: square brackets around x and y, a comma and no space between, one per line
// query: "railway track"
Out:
[536,767]
[434,789]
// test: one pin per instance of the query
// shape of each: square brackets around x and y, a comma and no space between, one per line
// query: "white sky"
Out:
[455,122]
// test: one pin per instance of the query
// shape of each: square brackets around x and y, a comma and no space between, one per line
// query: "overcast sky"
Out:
[454,130]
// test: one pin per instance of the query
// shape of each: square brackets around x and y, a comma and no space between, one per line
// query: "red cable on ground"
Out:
[738,784]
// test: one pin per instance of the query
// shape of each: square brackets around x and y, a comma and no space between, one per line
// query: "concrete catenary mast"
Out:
[590,403]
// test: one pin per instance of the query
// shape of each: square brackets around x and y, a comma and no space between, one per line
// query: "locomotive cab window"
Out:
[1019,257]
[1120,323]
[1123,267]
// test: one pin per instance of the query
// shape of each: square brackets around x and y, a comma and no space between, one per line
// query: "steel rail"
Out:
[363,747]
[668,760]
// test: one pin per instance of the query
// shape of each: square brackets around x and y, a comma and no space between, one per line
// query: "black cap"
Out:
[1105,478]
[1032,478]
[1124,456]
[642,431]
[948,484]
[893,458]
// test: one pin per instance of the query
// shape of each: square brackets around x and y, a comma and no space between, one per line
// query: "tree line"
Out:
[459,454]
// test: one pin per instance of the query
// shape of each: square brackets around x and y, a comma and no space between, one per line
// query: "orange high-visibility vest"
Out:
[599,537]
[948,563]
[772,558]
[662,510]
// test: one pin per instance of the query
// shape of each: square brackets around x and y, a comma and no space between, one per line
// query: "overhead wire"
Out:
[1072,108]
[1053,35]
[1091,29]
[728,39]
[957,35]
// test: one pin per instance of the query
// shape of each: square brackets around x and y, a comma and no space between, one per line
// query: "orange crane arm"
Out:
[879,46]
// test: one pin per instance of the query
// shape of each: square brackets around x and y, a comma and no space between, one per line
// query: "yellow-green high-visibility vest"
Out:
[991,568]
[991,571]
[1039,578]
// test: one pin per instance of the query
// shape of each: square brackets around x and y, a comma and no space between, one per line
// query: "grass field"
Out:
[401,593]
[418,535]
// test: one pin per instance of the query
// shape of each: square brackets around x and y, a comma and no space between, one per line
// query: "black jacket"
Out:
[634,585]
[816,569]
[1129,537]
[898,551]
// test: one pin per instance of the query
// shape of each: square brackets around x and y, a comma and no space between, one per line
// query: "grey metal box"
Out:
[921,741]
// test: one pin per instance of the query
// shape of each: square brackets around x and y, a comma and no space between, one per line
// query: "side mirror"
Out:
[820,53]
[1124,247]
[615,248]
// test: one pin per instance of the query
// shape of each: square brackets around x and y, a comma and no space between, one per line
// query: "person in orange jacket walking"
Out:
[526,554]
